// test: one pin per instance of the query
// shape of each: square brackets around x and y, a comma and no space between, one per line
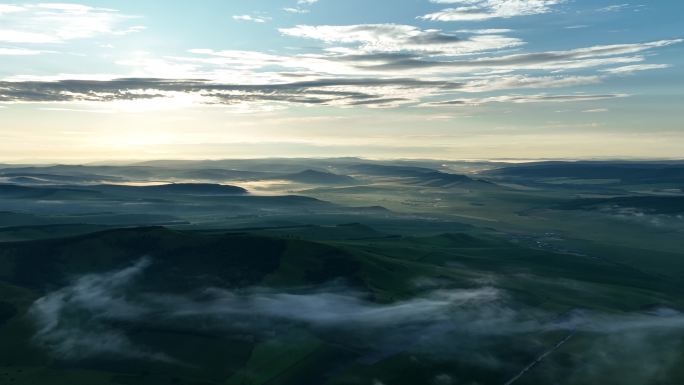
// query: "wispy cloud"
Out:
[397,38]
[255,19]
[486,31]
[84,319]
[19,52]
[614,8]
[474,10]
[84,338]
[300,6]
[335,92]
[75,322]
[350,65]
[9,8]
[634,68]
[504,82]
[553,60]
[47,23]
[295,10]
[519,99]
[362,77]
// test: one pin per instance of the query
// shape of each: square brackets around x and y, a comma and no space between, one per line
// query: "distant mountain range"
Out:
[317,177]
[627,172]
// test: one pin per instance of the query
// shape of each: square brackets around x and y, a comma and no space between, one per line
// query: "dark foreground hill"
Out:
[181,259]
[157,306]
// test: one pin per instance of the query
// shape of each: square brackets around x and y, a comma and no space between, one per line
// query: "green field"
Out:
[391,275]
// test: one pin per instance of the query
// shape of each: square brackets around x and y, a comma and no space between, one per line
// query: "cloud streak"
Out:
[53,23]
[522,99]
[19,52]
[600,55]
[316,92]
[74,338]
[635,68]
[379,92]
[477,10]
[352,66]
[255,19]
[83,320]
[367,38]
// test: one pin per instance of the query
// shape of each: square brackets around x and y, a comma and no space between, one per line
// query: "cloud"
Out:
[367,38]
[299,9]
[369,92]
[79,321]
[255,19]
[552,60]
[502,82]
[50,23]
[475,10]
[360,91]
[84,336]
[299,85]
[613,8]
[577,26]
[295,10]
[19,52]
[92,318]
[10,8]
[369,65]
[486,31]
[520,99]
[323,309]
[634,68]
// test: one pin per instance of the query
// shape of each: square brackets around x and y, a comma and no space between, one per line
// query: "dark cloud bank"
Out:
[323,91]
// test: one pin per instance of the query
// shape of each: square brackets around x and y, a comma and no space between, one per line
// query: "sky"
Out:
[448,79]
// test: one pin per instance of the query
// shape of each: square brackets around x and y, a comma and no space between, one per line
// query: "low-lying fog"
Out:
[89,318]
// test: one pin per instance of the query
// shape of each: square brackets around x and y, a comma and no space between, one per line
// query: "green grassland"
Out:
[343,272]
[388,269]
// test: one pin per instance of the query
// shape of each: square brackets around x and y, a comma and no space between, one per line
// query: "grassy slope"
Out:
[387,267]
